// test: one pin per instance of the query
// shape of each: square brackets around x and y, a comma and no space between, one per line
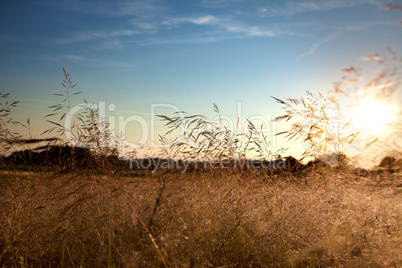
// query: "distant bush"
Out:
[64,157]
[387,162]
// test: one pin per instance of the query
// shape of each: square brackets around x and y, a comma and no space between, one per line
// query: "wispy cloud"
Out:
[206,19]
[341,28]
[227,24]
[141,15]
[224,25]
[219,3]
[364,25]
[315,46]
[92,35]
[69,57]
[138,8]
[251,30]
[179,40]
[82,59]
[145,20]
[293,7]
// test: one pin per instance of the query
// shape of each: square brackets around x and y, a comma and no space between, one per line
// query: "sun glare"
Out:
[374,117]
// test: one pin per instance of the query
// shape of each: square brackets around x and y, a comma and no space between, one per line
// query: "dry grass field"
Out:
[62,205]
[320,218]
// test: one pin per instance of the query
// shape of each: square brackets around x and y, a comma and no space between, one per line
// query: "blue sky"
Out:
[186,53]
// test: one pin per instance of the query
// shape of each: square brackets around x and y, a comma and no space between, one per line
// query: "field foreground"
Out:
[139,219]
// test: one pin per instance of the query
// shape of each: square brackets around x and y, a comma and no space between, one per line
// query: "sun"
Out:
[374,117]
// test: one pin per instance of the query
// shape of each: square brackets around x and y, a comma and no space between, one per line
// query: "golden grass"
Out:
[318,217]
[130,219]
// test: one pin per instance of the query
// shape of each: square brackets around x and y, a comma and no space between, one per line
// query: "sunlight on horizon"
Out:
[374,117]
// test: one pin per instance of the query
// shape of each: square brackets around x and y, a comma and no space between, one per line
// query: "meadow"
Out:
[320,217]
[63,205]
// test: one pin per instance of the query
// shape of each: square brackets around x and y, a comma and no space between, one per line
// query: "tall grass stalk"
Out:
[200,138]
[6,135]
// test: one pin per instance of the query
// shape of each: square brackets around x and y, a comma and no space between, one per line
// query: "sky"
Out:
[134,55]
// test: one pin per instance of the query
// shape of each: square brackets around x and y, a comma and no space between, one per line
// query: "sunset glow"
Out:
[374,117]
[151,58]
